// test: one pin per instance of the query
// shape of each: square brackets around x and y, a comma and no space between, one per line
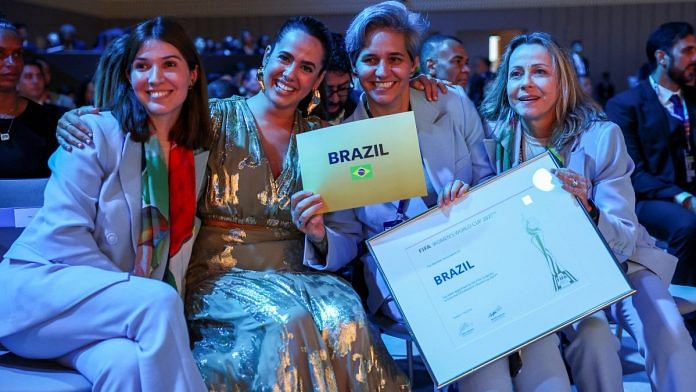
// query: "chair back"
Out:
[19,201]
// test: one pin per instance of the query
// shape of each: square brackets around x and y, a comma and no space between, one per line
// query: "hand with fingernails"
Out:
[574,183]
[452,191]
[71,131]
[304,210]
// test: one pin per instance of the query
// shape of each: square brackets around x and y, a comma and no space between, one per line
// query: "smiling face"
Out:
[11,61]
[292,69]
[384,69]
[160,78]
[533,87]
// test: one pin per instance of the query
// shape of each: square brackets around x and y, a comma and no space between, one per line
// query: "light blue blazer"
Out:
[450,136]
[91,217]
[600,155]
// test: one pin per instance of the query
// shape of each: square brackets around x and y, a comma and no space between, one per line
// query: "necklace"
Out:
[5,136]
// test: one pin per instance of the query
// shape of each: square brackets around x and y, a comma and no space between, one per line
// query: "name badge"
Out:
[690,167]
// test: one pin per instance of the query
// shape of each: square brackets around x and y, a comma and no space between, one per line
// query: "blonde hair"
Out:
[575,111]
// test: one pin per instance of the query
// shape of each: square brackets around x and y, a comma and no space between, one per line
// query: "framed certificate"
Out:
[517,259]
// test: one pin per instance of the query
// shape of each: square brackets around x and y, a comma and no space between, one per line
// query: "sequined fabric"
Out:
[259,319]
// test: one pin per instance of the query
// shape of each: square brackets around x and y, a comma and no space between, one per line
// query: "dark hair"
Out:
[191,129]
[222,88]
[8,26]
[311,26]
[664,39]
[485,61]
[430,45]
[32,62]
[338,58]
[107,75]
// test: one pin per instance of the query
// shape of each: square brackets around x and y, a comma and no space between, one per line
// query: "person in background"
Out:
[536,104]
[480,80]
[444,57]
[50,96]
[337,104]
[85,94]
[23,30]
[383,42]
[605,89]
[586,85]
[248,43]
[32,85]
[222,88]
[26,128]
[658,122]
[250,85]
[68,38]
[582,66]
[83,284]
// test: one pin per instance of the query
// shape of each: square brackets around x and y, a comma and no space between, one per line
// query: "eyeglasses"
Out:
[342,90]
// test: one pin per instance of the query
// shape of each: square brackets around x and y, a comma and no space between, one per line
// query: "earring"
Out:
[259,78]
[316,100]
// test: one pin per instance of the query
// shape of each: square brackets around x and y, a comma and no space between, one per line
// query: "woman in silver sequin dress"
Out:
[259,319]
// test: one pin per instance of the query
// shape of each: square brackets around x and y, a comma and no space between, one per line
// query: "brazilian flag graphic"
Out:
[362,172]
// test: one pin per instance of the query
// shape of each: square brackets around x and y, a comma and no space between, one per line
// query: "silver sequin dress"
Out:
[259,319]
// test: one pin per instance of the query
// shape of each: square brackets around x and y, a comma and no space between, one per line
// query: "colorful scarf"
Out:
[505,148]
[164,233]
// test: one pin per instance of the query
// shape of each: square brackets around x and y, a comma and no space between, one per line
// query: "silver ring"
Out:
[574,184]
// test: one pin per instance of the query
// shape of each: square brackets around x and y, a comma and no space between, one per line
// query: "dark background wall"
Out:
[614,36]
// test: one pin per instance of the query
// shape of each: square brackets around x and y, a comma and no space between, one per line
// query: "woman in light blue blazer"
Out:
[84,282]
[536,104]
[383,43]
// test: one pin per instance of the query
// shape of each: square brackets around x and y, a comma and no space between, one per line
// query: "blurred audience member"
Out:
[444,57]
[85,95]
[262,43]
[222,88]
[586,85]
[250,84]
[480,80]
[50,96]
[658,122]
[53,43]
[108,35]
[23,31]
[68,38]
[248,43]
[605,89]
[26,128]
[582,66]
[229,45]
[336,101]
[199,44]
[32,85]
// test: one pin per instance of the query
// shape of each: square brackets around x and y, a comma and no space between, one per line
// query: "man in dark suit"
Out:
[658,120]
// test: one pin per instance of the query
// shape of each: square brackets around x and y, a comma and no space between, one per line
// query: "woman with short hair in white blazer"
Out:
[383,42]
[83,284]
[536,104]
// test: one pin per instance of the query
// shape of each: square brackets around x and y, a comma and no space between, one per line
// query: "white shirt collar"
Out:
[663,93]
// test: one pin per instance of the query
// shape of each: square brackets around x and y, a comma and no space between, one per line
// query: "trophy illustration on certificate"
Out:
[561,277]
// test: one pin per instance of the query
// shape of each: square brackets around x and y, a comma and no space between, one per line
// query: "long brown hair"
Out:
[192,128]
